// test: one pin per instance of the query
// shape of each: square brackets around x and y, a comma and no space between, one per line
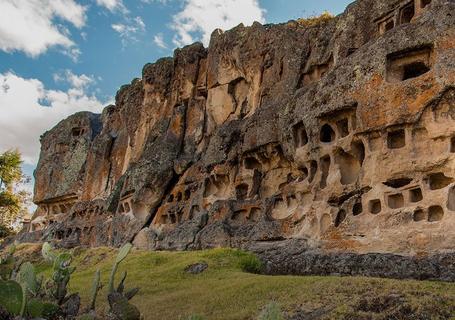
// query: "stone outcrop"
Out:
[341,133]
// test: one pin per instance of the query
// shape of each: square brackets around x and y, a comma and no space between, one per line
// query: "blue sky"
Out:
[62,56]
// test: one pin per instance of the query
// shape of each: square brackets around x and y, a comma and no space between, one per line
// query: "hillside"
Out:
[225,292]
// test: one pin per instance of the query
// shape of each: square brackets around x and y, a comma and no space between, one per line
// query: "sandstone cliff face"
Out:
[341,133]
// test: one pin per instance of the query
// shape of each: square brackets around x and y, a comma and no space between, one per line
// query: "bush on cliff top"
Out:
[315,20]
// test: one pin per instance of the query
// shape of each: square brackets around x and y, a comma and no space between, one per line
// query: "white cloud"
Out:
[28,109]
[29,25]
[112,5]
[130,29]
[159,41]
[204,16]
[76,81]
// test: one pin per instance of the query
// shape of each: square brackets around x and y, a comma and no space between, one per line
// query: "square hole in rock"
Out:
[419,215]
[409,64]
[415,195]
[396,139]
[374,206]
[407,13]
[389,25]
[395,201]
[435,213]
[438,181]
[327,134]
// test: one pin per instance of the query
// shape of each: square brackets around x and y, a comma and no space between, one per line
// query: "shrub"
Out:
[315,20]
[5,231]
[195,317]
[248,262]
[272,311]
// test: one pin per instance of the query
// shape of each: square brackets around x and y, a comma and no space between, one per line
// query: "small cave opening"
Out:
[327,134]
[251,163]
[395,201]
[415,195]
[435,213]
[414,70]
[451,199]
[349,167]
[351,51]
[374,206]
[341,216]
[398,183]
[438,181]
[300,135]
[357,209]
[419,215]
[343,127]
[187,194]
[241,191]
[77,132]
[452,145]
[396,139]
[304,171]
[325,167]
[358,149]
[407,13]
[238,215]
[424,3]
[389,25]
[170,198]
[409,64]
[179,196]
[164,219]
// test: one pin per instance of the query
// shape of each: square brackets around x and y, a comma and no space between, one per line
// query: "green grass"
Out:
[226,292]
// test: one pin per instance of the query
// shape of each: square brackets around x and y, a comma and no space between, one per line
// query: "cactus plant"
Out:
[12,297]
[28,280]
[95,287]
[121,308]
[7,263]
[46,252]
[123,252]
[61,276]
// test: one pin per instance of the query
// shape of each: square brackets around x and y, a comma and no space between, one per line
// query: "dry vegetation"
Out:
[315,20]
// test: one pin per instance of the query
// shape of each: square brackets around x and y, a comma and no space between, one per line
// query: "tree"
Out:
[12,201]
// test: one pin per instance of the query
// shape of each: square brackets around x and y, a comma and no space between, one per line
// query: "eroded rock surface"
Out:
[341,133]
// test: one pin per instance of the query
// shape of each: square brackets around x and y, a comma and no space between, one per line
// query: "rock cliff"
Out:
[338,132]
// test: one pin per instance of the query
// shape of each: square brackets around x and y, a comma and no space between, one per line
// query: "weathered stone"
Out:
[340,133]
[196,268]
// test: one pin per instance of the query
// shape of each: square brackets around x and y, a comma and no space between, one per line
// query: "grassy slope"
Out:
[224,292]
